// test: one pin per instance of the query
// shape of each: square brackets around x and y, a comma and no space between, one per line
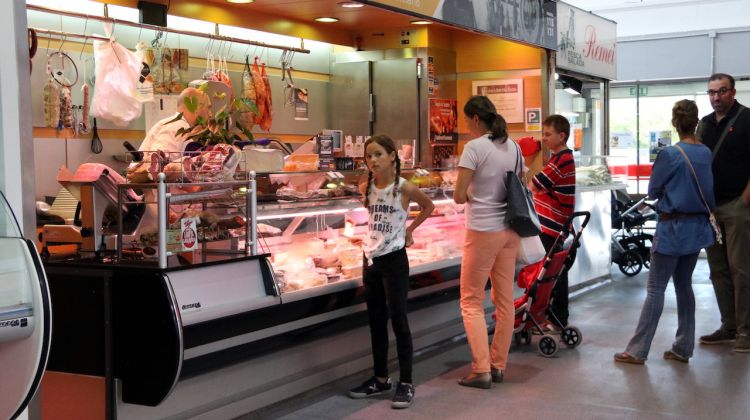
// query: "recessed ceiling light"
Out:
[351,4]
[326,19]
[421,22]
[240,1]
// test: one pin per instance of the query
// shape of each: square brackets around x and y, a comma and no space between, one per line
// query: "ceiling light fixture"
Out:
[571,85]
[351,4]
[421,22]
[240,1]
[326,19]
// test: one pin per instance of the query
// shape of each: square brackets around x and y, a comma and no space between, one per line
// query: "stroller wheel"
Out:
[547,346]
[571,336]
[526,336]
[631,263]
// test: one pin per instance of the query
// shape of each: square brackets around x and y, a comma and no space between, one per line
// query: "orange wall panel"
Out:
[481,53]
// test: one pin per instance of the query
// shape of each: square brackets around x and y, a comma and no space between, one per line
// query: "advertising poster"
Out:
[443,120]
[533,119]
[300,104]
[505,94]
[658,140]
[623,140]
[325,151]
[441,152]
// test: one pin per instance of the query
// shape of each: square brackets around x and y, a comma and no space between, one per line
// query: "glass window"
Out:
[640,122]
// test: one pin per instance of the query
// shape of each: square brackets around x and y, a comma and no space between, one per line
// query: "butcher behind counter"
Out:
[165,147]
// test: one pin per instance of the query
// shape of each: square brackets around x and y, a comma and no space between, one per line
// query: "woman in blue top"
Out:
[683,230]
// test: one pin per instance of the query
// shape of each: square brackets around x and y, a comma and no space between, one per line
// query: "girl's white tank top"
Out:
[387,222]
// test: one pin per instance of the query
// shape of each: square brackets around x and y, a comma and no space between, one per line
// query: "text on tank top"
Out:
[387,221]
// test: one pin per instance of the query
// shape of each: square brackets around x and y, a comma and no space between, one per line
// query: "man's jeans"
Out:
[730,266]
[680,268]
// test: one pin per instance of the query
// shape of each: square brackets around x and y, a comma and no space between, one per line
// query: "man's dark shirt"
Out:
[731,165]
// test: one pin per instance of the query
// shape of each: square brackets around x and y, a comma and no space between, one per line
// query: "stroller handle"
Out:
[586,217]
[568,226]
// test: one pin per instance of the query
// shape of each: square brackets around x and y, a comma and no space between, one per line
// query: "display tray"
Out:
[297,295]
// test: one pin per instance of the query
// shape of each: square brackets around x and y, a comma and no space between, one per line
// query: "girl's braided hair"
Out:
[390,147]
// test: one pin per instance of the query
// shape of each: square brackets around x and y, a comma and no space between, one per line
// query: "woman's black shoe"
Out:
[497,376]
[477,380]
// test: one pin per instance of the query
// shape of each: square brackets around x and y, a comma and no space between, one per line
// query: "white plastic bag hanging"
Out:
[117,73]
[530,250]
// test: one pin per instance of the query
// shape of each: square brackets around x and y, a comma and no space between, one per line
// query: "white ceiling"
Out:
[637,18]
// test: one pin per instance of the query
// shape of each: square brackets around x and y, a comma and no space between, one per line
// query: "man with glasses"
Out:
[726,132]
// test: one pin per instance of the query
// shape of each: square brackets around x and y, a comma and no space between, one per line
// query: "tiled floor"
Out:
[582,383]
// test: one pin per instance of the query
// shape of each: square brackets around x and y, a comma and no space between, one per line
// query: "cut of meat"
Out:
[260,91]
[267,117]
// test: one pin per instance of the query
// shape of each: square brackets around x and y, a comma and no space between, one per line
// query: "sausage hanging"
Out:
[267,118]
[260,89]
[51,103]
[249,93]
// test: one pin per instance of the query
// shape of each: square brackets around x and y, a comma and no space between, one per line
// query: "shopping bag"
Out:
[530,250]
[117,73]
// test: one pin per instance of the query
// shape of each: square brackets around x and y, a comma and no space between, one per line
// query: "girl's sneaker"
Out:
[404,395]
[370,388]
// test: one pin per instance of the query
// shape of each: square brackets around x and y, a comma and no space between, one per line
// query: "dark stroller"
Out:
[631,246]
[538,280]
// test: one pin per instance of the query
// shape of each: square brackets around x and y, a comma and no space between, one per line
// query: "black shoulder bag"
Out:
[520,213]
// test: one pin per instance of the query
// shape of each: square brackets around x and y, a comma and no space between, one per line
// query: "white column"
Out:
[16,141]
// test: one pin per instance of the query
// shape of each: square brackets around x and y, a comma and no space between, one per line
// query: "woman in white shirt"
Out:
[490,247]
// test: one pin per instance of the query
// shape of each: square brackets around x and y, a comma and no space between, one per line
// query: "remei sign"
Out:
[587,42]
[529,21]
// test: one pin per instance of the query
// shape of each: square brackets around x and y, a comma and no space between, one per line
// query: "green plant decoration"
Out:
[216,128]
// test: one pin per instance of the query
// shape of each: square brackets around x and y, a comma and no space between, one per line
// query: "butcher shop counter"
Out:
[155,332]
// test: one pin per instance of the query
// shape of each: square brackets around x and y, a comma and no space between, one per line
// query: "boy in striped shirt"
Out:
[554,191]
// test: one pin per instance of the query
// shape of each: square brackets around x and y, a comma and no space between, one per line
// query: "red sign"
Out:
[443,120]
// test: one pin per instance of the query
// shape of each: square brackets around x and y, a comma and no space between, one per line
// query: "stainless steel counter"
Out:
[594,257]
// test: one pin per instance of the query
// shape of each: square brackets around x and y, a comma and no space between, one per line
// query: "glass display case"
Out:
[592,170]
[186,222]
[315,239]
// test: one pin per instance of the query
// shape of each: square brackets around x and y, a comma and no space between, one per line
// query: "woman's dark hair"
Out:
[482,107]
[685,117]
[390,147]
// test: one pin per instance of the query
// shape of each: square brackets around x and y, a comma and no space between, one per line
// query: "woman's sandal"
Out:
[626,357]
[671,355]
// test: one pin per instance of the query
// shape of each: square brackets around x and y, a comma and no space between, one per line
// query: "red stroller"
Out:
[538,280]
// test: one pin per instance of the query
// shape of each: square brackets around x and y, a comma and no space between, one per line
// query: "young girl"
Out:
[386,271]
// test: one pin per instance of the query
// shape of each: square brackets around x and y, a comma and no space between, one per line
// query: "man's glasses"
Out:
[720,92]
